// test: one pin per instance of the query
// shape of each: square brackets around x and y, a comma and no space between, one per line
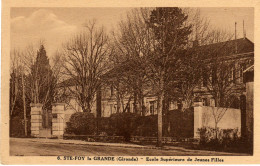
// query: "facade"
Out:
[241,58]
[106,103]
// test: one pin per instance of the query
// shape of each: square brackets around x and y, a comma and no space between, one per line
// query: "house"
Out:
[240,53]
[241,56]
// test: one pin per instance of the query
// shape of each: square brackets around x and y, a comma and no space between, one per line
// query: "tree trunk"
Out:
[159,137]
[118,104]
[140,105]
[143,106]
[88,107]
[216,130]
[135,99]
[167,120]
[24,108]
[159,112]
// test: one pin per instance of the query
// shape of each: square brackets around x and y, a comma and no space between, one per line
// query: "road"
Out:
[29,147]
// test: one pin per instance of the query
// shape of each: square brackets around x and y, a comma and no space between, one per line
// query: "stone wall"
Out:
[36,119]
[204,117]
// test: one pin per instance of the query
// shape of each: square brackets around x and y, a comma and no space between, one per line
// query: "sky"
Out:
[54,26]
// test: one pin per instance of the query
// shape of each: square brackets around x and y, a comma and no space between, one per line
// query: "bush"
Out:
[81,123]
[104,126]
[147,126]
[17,127]
[226,138]
[181,123]
[123,124]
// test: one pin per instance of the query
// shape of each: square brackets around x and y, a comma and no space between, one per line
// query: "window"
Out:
[205,101]
[212,102]
[214,76]
[111,109]
[151,107]
[242,68]
[54,116]
[111,90]
[179,105]
[204,80]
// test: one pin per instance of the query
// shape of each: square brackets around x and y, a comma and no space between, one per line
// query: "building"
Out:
[240,54]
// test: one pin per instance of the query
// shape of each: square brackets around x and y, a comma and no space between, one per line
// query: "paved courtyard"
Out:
[55,147]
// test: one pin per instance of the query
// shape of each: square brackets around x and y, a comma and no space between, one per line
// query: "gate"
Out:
[46,130]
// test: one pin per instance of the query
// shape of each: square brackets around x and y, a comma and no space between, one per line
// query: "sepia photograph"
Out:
[131,81]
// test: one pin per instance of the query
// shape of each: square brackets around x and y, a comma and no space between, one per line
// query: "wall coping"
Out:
[36,105]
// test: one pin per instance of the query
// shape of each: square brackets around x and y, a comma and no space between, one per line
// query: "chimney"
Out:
[235,30]
[235,37]
[244,32]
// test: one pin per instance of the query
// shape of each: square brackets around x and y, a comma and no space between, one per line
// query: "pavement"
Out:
[80,142]
[54,147]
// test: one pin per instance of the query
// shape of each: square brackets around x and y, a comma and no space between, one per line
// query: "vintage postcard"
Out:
[86,82]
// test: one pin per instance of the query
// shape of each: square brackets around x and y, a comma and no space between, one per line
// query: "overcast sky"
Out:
[56,25]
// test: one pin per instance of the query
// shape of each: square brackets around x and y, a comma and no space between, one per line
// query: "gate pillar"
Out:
[36,119]
[58,119]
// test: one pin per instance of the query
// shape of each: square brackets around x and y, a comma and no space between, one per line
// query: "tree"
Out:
[41,77]
[17,92]
[85,61]
[171,36]
[17,77]
[14,80]
[190,75]
[132,45]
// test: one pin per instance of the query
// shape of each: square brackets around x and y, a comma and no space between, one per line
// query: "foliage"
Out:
[17,126]
[170,21]
[41,80]
[147,126]
[130,124]
[226,138]
[171,34]
[123,124]
[181,123]
[81,123]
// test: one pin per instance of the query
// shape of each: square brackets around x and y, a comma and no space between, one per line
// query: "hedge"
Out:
[81,123]
[177,124]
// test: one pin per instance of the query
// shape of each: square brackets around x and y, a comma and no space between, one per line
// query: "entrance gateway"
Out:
[47,124]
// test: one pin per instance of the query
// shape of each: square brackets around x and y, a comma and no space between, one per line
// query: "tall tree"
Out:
[41,78]
[85,61]
[171,32]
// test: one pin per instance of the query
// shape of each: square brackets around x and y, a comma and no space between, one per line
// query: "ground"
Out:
[56,147]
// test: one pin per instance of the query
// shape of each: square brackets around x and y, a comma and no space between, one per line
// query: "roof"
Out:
[231,47]
[244,45]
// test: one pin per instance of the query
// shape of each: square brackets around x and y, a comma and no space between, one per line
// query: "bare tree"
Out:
[14,84]
[17,71]
[85,58]
[190,72]
[132,45]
